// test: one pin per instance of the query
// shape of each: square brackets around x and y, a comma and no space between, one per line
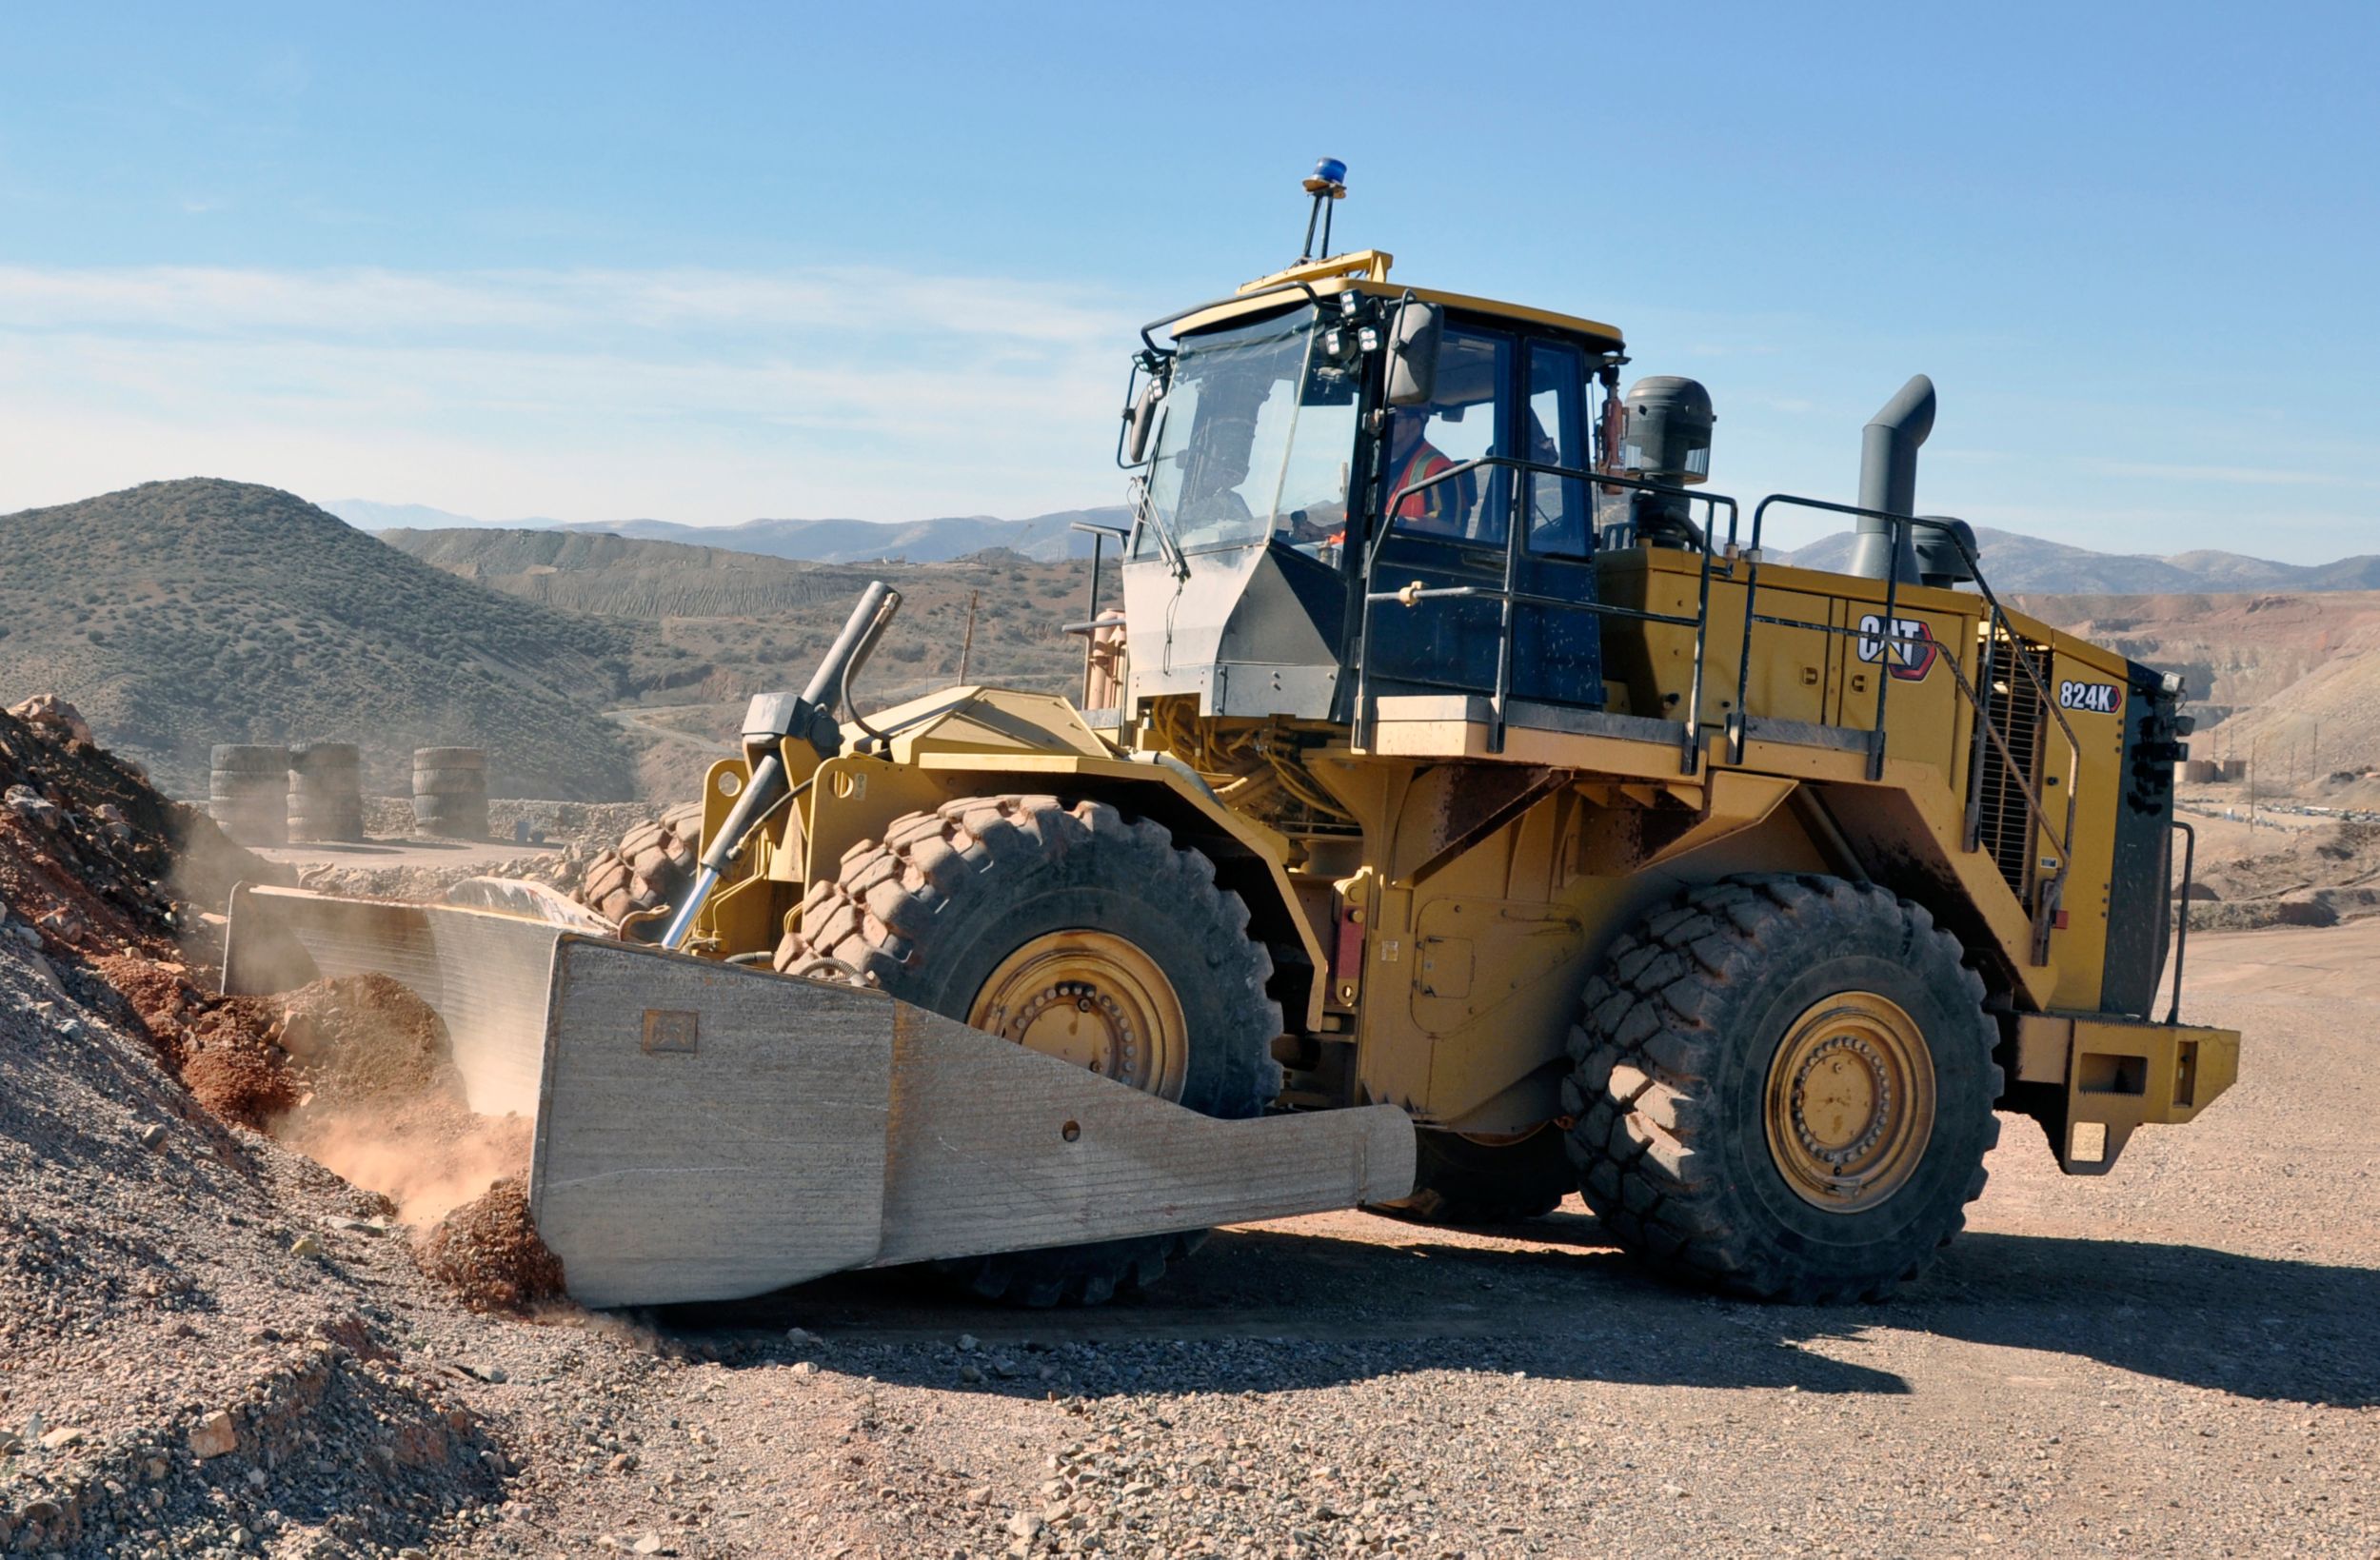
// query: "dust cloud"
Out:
[356,1073]
[426,1155]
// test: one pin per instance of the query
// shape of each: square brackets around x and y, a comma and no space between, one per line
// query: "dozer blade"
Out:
[707,1132]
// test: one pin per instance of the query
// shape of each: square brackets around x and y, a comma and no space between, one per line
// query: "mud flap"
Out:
[708,1132]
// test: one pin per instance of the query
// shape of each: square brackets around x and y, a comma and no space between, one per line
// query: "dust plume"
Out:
[383,1105]
[428,1156]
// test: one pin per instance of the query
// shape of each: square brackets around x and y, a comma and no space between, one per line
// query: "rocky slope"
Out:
[189,613]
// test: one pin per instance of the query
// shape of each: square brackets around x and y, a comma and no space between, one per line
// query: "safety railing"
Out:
[1090,625]
[1999,639]
[1510,596]
[1900,530]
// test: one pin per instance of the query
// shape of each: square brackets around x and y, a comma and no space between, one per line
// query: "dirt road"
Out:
[2181,1358]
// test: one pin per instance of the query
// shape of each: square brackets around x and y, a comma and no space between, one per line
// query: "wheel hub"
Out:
[1850,1101]
[1094,1000]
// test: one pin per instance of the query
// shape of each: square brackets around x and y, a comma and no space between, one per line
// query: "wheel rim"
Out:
[1094,1000]
[1850,1101]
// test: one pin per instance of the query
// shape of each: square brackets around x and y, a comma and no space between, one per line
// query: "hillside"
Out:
[1044,537]
[2016,562]
[182,614]
[2293,678]
[711,626]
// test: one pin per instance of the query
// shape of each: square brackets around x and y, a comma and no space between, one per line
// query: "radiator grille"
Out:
[2004,825]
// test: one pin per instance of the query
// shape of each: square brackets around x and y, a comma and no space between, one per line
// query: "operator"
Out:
[1433,511]
[1437,511]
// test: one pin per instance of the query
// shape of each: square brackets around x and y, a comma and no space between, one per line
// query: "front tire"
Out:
[1075,931]
[1782,1089]
[646,873]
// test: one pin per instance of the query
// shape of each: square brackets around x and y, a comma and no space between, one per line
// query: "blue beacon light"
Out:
[1327,183]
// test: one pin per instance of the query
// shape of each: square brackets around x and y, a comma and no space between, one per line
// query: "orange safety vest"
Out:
[1435,506]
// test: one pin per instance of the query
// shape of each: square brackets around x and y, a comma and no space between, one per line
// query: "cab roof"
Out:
[1367,271]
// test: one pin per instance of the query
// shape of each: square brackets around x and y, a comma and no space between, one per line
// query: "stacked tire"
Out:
[451,792]
[652,865]
[247,791]
[325,791]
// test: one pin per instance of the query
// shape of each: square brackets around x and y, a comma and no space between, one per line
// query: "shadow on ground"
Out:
[1569,1306]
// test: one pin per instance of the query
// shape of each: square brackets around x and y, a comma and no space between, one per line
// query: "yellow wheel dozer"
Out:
[1461,812]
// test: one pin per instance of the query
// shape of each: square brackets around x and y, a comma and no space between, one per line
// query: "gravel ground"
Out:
[209,1345]
[2176,1359]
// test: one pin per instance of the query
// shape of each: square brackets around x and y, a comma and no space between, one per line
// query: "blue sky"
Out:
[710,262]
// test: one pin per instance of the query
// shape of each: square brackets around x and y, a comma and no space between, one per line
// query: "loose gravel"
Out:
[209,1345]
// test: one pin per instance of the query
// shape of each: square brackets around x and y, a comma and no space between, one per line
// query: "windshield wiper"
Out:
[1145,504]
[1144,510]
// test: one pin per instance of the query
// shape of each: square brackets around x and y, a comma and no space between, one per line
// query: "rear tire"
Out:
[1782,1089]
[951,910]
[651,869]
[1459,1180]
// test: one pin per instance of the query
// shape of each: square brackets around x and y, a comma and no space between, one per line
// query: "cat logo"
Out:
[2096,698]
[1915,649]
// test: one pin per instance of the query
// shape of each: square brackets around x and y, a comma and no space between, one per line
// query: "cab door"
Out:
[1448,532]
[1558,650]
[1524,399]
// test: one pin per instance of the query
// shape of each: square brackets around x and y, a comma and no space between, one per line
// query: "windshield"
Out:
[1257,433]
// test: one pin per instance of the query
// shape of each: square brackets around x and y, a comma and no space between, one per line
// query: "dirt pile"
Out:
[375,1097]
[354,1072]
[230,1065]
[560,870]
[93,861]
[189,1312]
[488,1252]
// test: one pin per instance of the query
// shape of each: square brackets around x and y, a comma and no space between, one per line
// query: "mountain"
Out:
[182,614]
[2014,563]
[1044,536]
[714,627]
[367,515]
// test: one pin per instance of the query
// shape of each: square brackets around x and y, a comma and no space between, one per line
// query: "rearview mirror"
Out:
[1413,353]
[1140,420]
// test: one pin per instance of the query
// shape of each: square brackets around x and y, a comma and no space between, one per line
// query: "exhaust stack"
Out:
[1888,479]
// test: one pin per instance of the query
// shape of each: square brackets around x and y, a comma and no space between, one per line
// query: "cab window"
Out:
[1469,417]
[1559,514]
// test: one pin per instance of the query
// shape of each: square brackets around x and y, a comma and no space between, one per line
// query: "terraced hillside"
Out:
[182,614]
[710,626]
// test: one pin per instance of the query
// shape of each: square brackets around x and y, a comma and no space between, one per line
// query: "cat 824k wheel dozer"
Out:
[1459,813]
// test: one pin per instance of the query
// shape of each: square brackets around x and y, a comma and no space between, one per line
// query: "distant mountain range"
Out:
[1044,537]
[2020,564]
[367,516]
[2015,564]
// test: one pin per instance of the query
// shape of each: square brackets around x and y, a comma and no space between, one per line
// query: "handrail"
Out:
[1995,629]
[2181,933]
[1997,626]
[1509,596]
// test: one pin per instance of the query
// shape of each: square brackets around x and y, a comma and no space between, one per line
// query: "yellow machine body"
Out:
[1445,935]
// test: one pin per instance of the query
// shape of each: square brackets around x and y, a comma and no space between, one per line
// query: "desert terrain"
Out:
[231,1325]
[213,1345]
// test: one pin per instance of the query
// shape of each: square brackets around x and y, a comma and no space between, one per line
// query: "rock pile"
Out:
[489,1253]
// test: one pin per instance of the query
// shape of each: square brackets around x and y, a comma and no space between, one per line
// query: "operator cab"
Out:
[1326,435]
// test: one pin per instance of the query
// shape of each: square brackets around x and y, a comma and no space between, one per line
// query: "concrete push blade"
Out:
[710,1132]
